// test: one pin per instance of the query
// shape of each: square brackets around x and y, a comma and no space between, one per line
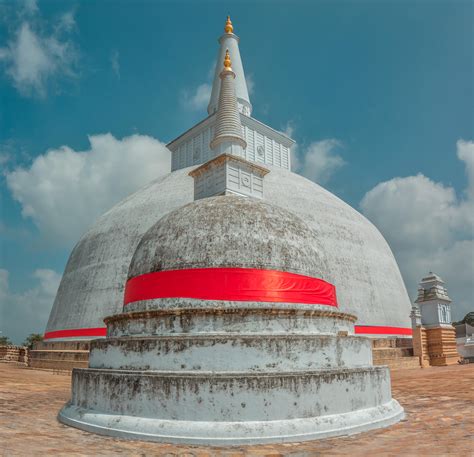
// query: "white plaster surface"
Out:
[231,231]
[264,144]
[224,352]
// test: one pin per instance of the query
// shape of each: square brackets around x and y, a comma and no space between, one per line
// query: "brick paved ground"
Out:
[439,403]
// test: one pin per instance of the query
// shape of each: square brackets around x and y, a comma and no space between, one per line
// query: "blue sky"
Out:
[378,95]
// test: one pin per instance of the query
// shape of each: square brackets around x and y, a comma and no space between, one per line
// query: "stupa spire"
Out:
[230,41]
[228,129]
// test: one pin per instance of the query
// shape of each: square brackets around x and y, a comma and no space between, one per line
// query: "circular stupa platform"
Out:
[279,363]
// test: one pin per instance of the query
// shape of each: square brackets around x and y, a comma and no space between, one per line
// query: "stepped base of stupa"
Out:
[232,432]
[231,376]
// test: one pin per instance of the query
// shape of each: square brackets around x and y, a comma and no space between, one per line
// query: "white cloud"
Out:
[30,6]
[288,129]
[429,229]
[114,61]
[64,191]
[33,57]
[197,99]
[249,79]
[320,160]
[66,22]
[27,312]
[5,157]
[465,152]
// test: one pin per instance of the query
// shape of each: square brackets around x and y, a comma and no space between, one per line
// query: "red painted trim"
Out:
[234,284]
[102,331]
[76,332]
[382,330]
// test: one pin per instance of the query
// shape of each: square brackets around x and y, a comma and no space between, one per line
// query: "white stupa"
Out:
[230,331]
[359,261]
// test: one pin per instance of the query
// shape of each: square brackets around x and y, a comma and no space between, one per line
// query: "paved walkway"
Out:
[439,403]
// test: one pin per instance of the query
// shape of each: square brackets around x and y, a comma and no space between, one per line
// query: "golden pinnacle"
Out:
[227,62]
[228,26]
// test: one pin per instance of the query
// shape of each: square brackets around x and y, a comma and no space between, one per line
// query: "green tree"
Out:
[468,319]
[5,341]
[32,339]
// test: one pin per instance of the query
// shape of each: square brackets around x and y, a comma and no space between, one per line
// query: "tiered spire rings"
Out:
[228,127]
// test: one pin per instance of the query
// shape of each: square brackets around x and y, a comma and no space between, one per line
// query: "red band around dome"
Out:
[102,331]
[233,284]
[382,330]
[76,333]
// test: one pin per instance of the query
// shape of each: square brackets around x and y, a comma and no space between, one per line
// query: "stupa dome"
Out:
[228,249]
[359,261]
[230,231]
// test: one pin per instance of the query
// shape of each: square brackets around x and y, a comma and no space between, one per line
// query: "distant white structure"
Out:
[465,340]
[433,334]
[433,302]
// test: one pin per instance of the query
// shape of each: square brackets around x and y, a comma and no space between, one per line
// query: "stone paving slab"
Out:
[439,403]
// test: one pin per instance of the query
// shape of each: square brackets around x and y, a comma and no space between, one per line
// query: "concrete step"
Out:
[229,396]
[231,352]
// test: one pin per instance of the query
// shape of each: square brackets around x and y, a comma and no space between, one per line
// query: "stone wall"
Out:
[435,346]
[60,355]
[396,353]
[18,354]
[442,346]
